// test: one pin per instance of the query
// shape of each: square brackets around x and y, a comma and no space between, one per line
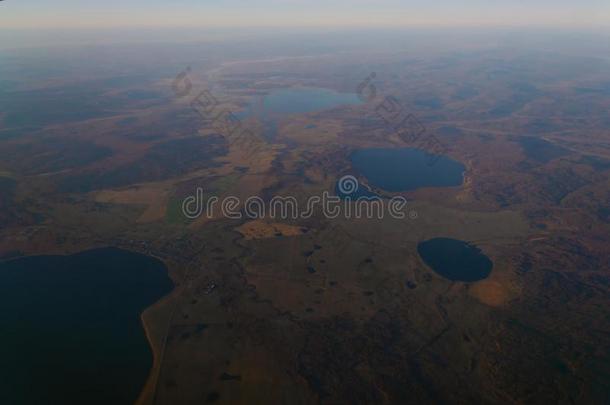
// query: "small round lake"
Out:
[70,327]
[455,260]
[406,169]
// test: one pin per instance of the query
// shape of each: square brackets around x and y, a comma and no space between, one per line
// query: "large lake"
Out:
[455,260]
[70,327]
[406,169]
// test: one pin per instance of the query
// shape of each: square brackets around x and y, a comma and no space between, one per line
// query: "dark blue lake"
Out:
[406,169]
[455,260]
[70,327]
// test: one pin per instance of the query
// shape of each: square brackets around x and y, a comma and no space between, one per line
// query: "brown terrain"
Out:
[334,311]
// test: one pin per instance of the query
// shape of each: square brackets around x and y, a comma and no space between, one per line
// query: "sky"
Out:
[306,13]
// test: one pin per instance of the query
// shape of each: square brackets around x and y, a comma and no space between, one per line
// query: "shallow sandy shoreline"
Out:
[152,318]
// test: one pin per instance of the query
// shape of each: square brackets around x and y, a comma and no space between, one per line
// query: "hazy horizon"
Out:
[345,39]
[315,13]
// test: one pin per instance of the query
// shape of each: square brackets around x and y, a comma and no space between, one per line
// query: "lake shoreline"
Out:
[95,291]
